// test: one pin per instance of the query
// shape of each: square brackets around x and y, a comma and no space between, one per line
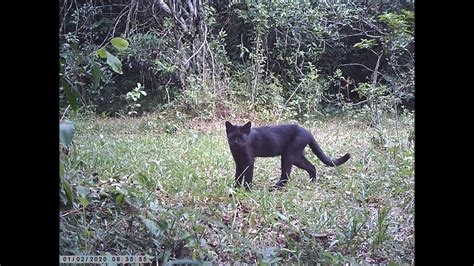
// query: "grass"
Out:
[164,189]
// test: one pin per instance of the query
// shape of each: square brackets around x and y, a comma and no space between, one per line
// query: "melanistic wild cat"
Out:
[289,141]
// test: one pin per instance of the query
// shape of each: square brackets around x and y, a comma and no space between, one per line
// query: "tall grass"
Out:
[164,189]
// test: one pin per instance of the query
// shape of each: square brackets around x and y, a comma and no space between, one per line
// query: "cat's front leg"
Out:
[248,177]
[286,164]
[244,174]
[239,175]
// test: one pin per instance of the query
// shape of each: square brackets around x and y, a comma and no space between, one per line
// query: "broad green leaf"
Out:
[61,169]
[199,228]
[115,63]
[70,93]
[83,191]
[166,257]
[102,53]
[88,233]
[146,182]
[141,178]
[151,225]
[119,43]
[61,66]
[66,132]
[163,225]
[119,198]
[84,202]
[96,74]
[67,189]
[365,43]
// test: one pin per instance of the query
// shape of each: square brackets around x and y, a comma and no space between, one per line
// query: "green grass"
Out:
[361,211]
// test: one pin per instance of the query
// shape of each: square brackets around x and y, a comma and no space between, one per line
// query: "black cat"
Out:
[289,141]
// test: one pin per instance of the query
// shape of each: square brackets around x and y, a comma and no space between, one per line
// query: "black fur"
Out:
[287,141]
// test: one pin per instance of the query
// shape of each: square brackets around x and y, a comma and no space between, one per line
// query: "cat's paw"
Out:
[278,186]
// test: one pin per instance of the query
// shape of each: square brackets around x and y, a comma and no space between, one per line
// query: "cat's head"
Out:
[237,135]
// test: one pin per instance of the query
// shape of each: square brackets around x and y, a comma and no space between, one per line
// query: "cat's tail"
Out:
[324,158]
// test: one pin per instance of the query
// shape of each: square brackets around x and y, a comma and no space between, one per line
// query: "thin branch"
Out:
[179,20]
[123,12]
[182,24]
[191,8]
[71,211]
[200,47]
[292,94]
[284,34]
[357,64]
[77,19]
[288,100]
[212,61]
[371,26]
[374,76]
[167,92]
[164,7]
[374,52]
[64,17]
[65,111]
[256,62]
[127,25]
[361,102]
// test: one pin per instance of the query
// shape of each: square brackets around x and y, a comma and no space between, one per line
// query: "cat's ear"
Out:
[246,128]
[229,127]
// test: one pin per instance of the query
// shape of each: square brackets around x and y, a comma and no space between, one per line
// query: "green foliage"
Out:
[102,53]
[172,191]
[307,97]
[382,227]
[136,93]
[66,194]
[70,93]
[97,75]
[160,184]
[116,65]
[364,44]
[82,77]
[399,23]
[200,99]
[133,97]
[119,43]
[217,42]
[269,96]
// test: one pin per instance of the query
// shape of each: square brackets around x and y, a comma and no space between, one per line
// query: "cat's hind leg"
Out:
[306,165]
